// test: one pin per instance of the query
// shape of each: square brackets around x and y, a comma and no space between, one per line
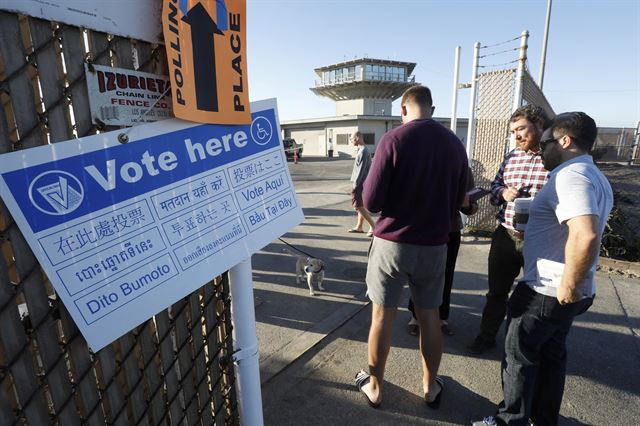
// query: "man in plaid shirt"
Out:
[521,175]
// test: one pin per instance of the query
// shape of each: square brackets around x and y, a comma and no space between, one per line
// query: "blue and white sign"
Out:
[125,230]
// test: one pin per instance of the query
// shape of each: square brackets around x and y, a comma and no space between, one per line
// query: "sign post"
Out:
[123,231]
[245,343]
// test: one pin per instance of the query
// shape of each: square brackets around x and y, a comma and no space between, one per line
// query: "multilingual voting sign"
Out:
[125,230]
[206,51]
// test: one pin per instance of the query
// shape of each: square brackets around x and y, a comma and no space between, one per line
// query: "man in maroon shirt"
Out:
[417,182]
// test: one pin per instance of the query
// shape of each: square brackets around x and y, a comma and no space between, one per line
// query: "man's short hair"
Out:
[419,95]
[532,113]
[578,126]
[356,134]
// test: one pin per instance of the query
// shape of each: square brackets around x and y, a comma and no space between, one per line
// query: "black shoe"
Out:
[446,330]
[480,345]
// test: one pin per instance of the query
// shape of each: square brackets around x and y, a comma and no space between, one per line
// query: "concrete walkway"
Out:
[311,347]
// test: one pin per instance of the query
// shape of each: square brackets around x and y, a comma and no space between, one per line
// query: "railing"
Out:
[379,76]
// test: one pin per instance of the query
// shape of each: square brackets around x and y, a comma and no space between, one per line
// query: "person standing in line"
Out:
[521,175]
[564,231]
[361,167]
[453,246]
[417,183]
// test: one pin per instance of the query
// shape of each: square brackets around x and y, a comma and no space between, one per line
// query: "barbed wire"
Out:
[499,53]
[500,43]
[498,65]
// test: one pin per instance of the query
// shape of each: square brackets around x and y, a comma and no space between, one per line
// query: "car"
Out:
[290,146]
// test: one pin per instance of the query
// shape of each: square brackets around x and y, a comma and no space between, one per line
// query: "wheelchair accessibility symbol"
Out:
[261,131]
[56,192]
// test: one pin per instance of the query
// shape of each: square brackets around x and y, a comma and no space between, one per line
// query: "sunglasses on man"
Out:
[544,143]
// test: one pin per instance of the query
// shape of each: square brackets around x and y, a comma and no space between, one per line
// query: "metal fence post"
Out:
[472,102]
[519,83]
[543,55]
[634,148]
[517,93]
[454,101]
[245,343]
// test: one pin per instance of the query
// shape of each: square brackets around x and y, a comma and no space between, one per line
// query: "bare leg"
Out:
[363,214]
[379,344]
[430,347]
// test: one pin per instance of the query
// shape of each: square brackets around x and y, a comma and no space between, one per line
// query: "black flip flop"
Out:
[446,330]
[360,380]
[413,329]
[435,404]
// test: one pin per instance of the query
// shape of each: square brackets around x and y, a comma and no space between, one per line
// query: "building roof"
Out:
[357,117]
[363,61]
[341,118]
[361,89]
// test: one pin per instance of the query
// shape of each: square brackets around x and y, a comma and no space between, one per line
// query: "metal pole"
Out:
[517,95]
[454,101]
[543,55]
[472,104]
[634,152]
[245,344]
[621,141]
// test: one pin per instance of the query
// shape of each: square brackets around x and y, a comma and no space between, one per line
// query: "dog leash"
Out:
[296,248]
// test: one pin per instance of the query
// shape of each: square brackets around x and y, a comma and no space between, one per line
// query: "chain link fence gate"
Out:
[495,99]
[177,367]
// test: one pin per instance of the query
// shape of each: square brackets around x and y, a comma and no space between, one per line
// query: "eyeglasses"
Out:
[546,142]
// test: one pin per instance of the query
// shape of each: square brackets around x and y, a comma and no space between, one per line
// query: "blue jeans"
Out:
[535,358]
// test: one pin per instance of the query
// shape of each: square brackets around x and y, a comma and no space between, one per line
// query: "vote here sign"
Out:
[125,230]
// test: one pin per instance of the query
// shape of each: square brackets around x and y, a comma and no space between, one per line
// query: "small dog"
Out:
[309,269]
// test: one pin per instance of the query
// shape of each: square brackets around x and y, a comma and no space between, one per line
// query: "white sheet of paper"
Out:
[549,272]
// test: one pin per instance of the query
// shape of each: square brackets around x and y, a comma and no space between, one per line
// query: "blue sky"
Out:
[592,65]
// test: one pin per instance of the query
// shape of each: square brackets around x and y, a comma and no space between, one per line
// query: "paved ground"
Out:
[311,347]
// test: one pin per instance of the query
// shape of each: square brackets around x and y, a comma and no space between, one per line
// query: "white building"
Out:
[363,90]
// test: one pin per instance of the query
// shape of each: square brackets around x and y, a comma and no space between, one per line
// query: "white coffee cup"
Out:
[521,214]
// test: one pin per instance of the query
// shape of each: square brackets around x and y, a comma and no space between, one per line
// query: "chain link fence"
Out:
[616,145]
[495,100]
[177,367]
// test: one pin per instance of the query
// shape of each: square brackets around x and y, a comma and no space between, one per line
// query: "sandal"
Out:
[355,231]
[446,330]
[435,402]
[413,329]
[361,379]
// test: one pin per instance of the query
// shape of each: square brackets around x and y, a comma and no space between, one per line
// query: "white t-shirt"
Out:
[575,188]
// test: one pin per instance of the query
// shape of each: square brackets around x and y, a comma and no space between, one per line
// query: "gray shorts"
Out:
[392,265]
